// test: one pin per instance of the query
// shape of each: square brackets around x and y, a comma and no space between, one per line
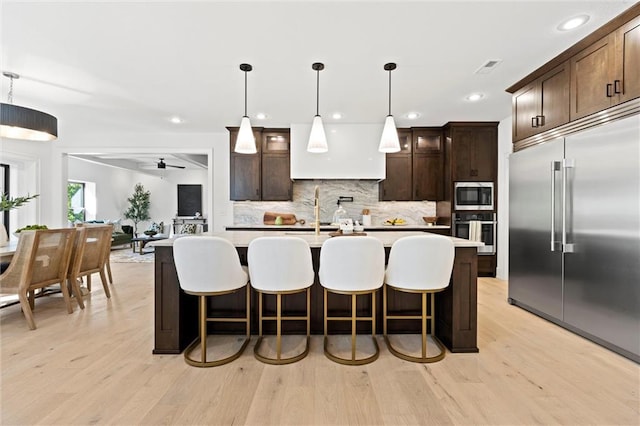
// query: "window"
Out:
[4,189]
[76,211]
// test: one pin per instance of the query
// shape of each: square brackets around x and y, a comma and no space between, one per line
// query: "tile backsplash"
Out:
[364,193]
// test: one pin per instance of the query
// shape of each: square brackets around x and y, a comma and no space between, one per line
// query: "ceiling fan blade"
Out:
[175,167]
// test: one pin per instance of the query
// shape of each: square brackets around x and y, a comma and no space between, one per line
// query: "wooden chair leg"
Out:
[67,299]
[73,281]
[89,282]
[105,284]
[32,299]
[108,267]
[26,309]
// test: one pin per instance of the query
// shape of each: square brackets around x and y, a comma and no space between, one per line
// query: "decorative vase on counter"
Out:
[4,237]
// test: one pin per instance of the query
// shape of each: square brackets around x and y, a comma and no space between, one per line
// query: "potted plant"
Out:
[138,206]
[6,204]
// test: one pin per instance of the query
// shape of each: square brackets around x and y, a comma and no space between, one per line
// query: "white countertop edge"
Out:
[242,238]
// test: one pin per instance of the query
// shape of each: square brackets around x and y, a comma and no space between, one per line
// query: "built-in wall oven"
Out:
[462,225]
[473,196]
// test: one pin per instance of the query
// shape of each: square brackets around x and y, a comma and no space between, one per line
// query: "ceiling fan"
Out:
[163,165]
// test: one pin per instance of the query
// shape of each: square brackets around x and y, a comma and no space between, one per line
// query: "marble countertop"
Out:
[243,238]
[330,228]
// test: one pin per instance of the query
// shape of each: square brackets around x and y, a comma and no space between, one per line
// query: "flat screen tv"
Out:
[189,200]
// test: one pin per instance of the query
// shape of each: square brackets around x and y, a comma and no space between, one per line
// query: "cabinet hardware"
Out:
[534,121]
[540,120]
[616,86]
[609,87]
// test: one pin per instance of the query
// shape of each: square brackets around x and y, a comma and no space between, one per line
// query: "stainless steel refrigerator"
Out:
[574,233]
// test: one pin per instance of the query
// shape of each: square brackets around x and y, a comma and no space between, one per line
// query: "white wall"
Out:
[505,148]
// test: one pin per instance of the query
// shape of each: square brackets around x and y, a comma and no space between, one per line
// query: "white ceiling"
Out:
[128,66]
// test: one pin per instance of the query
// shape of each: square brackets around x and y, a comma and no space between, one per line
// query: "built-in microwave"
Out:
[473,196]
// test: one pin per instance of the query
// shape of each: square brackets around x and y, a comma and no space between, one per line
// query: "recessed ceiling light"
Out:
[336,116]
[574,22]
[413,115]
[176,120]
[474,97]
[261,116]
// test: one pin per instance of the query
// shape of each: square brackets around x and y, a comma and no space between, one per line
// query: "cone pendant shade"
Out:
[317,138]
[389,141]
[246,143]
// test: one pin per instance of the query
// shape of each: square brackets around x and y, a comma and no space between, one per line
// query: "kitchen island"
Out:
[176,313]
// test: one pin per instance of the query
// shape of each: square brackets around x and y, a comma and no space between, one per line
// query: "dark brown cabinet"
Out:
[416,172]
[244,170]
[276,175]
[264,176]
[397,186]
[474,151]
[542,104]
[607,72]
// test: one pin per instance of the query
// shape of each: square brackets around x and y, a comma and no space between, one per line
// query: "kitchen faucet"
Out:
[316,208]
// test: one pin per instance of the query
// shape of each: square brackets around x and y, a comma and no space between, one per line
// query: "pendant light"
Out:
[389,141]
[246,142]
[18,122]
[317,138]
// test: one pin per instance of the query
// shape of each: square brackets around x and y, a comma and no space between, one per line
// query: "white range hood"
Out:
[353,153]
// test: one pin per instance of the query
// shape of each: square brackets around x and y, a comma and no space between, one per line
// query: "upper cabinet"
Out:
[415,173]
[397,186]
[542,104]
[276,171]
[474,151]
[263,176]
[607,72]
[600,72]
[428,164]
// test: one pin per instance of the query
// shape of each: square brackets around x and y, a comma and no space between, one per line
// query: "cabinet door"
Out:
[553,98]
[525,110]
[427,177]
[427,141]
[276,177]
[591,78]
[245,177]
[627,78]
[244,169]
[462,146]
[397,184]
[484,154]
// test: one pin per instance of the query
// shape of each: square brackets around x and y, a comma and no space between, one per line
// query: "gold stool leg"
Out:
[353,319]
[278,360]
[424,317]
[202,340]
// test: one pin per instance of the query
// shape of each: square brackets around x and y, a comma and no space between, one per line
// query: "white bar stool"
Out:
[210,266]
[280,266]
[352,266]
[418,264]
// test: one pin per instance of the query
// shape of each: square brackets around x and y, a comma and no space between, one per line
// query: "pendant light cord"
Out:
[245,93]
[389,92]
[10,95]
[318,92]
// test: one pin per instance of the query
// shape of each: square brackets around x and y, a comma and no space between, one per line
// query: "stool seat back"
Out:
[421,262]
[280,264]
[208,265]
[352,264]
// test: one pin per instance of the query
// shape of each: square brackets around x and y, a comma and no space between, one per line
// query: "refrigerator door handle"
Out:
[566,164]
[555,166]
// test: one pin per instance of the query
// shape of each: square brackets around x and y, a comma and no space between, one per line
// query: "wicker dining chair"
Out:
[89,256]
[41,259]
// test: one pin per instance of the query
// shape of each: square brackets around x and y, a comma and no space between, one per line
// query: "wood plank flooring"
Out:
[95,367]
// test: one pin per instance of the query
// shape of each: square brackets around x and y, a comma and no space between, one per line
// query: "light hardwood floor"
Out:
[95,367]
